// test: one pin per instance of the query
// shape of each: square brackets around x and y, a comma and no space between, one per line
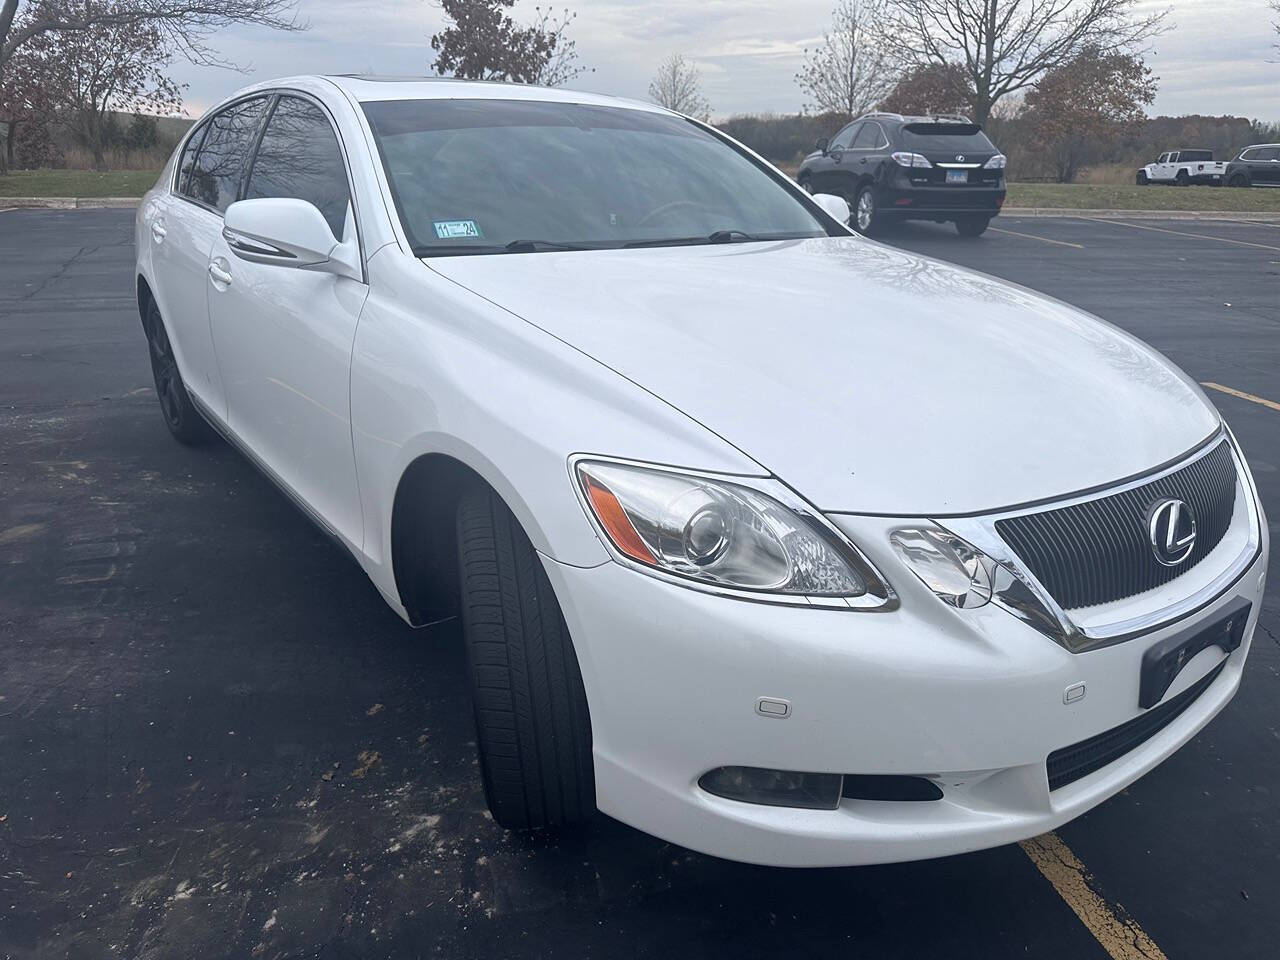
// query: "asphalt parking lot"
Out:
[217,741]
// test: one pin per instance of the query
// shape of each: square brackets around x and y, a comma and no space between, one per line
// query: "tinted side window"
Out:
[1267,153]
[844,138]
[868,137]
[215,178]
[188,160]
[299,157]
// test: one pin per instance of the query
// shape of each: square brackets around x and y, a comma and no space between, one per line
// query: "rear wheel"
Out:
[866,218]
[180,415]
[532,723]
[1183,178]
[972,226]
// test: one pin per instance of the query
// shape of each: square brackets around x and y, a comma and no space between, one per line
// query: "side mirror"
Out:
[822,145]
[834,206]
[288,232]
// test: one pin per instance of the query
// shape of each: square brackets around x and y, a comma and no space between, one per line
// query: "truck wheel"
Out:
[180,415]
[1142,178]
[972,226]
[532,723]
[1183,178]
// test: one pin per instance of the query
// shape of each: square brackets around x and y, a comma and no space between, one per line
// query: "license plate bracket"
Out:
[1163,661]
[957,176]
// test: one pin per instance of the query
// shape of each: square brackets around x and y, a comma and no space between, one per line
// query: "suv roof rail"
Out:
[882,113]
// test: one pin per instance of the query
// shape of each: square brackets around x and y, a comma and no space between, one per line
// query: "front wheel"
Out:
[180,415]
[1142,178]
[1238,180]
[532,723]
[972,226]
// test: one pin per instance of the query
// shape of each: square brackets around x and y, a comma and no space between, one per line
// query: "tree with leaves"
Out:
[482,42]
[847,74]
[1078,108]
[930,88]
[114,66]
[678,86]
[26,107]
[1003,46]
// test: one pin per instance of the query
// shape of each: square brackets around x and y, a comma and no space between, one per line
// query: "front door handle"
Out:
[863,160]
[219,273]
[158,231]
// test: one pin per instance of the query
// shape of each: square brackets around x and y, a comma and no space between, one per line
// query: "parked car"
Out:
[889,167]
[776,543]
[1258,165]
[1183,168]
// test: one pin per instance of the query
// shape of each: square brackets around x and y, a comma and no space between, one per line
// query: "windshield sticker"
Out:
[455,229]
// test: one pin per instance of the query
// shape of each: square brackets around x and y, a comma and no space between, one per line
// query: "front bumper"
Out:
[972,700]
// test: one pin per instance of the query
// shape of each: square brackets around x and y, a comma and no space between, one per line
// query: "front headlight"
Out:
[727,534]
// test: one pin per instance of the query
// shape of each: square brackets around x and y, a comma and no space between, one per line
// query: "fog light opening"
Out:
[774,788]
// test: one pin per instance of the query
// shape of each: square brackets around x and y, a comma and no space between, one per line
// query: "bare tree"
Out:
[678,86]
[1007,45]
[562,64]
[848,73]
[185,25]
[1275,6]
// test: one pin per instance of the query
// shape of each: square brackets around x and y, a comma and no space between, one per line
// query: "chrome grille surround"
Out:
[1086,630]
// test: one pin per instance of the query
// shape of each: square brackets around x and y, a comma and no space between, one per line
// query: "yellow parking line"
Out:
[1032,236]
[1241,394]
[1122,938]
[1182,233]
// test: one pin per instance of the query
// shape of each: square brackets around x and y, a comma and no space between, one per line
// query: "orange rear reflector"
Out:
[615,521]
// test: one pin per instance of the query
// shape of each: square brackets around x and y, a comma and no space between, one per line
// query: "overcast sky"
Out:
[1214,60]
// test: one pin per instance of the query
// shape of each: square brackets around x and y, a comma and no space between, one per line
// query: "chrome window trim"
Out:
[981,532]
[769,486]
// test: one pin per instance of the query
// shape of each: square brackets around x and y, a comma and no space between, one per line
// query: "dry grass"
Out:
[77,183]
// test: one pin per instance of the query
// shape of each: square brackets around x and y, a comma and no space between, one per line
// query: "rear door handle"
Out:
[158,231]
[219,273]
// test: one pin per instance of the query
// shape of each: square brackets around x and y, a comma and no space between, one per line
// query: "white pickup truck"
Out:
[1184,167]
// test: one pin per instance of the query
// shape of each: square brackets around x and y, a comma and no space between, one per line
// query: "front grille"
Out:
[1100,550]
[1081,759]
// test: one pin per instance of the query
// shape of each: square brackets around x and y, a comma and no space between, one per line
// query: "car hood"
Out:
[869,379]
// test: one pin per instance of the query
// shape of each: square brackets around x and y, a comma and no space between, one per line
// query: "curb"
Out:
[66,203]
[1263,216]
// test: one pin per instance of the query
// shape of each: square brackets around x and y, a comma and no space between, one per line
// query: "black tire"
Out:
[1238,180]
[870,221]
[974,226]
[180,415]
[1183,179]
[1142,178]
[532,723]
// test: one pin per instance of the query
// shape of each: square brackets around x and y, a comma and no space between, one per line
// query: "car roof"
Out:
[367,88]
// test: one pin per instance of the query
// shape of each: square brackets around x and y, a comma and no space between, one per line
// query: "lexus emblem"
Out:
[959,158]
[1171,526]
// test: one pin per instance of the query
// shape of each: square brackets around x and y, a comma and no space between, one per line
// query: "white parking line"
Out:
[1122,938]
[1182,233]
[1032,236]
[1240,393]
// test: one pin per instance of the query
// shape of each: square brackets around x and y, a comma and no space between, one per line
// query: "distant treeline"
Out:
[785,139]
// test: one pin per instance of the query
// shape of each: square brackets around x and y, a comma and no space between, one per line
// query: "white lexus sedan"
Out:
[770,540]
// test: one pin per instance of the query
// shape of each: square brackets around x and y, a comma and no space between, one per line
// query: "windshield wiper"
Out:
[719,236]
[533,246]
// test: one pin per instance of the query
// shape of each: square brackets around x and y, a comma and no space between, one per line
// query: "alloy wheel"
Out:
[866,210]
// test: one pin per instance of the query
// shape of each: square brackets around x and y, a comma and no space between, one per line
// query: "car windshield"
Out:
[946,138]
[516,176]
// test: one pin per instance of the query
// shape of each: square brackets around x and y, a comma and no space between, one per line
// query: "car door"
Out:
[835,172]
[181,231]
[284,335]
[1163,168]
[861,155]
[1265,166]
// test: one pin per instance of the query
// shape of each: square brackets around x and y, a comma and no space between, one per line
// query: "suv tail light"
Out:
[904,159]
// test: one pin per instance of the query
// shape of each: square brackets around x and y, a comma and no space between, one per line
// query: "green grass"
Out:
[77,183]
[1104,196]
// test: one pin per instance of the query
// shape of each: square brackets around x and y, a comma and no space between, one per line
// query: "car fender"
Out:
[460,379]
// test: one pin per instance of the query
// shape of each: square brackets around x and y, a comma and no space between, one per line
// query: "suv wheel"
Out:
[532,724]
[180,415]
[972,226]
[866,217]
[1238,180]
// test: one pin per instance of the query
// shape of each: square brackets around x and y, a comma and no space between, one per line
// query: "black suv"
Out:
[890,167]
[1258,164]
